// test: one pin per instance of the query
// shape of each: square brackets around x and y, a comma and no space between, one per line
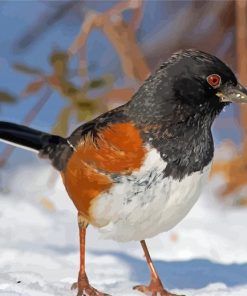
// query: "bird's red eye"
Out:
[214,80]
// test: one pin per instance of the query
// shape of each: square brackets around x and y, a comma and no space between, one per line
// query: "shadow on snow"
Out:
[191,274]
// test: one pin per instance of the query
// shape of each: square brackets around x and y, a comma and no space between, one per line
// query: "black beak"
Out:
[231,93]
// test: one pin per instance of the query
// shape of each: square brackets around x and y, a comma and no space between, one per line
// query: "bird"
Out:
[137,170]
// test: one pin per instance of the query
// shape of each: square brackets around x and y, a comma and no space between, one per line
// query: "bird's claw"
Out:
[154,289]
[85,289]
[74,286]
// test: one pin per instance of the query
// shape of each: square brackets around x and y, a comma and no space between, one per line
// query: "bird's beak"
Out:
[231,93]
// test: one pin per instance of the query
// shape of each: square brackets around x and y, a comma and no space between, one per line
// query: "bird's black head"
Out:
[190,85]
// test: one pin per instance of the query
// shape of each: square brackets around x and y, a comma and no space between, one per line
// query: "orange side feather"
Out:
[117,149]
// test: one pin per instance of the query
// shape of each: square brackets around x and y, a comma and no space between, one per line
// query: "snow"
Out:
[206,254]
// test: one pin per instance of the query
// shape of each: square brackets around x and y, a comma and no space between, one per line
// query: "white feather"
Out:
[144,204]
[19,145]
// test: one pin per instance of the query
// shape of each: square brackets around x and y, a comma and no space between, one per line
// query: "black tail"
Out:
[48,146]
[23,136]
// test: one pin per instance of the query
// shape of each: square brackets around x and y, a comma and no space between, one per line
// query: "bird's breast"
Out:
[146,202]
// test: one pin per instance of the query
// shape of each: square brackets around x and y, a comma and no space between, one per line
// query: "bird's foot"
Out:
[85,289]
[154,289]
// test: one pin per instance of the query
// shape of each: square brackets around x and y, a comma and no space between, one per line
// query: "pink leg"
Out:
[155,287]
[83,286]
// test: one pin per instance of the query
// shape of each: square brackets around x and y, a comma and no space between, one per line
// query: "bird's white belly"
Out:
[144,204]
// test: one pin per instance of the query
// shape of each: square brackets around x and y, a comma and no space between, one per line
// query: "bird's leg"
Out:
[155,287]
[83,286]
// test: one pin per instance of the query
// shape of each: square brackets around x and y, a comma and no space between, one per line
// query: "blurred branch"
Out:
[45,23]
[27,69]
[7,98]
[62,123]
[121,34]
[89,23]
[33,87]
[118,95]
[81,104]
[135,5]
[137,15]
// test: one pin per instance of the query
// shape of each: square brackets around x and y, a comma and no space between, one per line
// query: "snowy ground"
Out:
[206,254]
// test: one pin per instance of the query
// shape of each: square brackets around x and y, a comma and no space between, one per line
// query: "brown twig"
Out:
[121,34]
